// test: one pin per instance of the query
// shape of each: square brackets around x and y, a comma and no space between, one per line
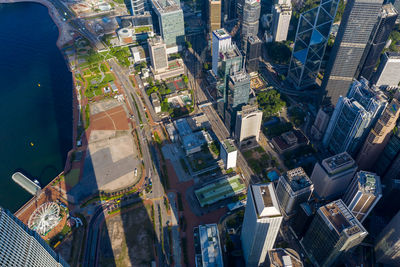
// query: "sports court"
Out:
[176,85]
[220,189]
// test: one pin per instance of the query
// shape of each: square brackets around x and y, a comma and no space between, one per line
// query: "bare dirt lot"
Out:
[127,239]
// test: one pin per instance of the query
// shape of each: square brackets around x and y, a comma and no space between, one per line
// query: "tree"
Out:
[279,52]
[185,79]
[270,101]
[188,45]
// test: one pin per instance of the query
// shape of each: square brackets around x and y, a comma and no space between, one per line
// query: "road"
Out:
[202,95]
[144,132]
[78,24]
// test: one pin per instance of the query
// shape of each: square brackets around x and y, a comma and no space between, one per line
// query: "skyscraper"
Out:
[333,231]
[237,96]
[353,118]
[281,14]
[250,21]
[248,123]
[262,220]
[309,48]
[158,54]
[387,245]
[253,53]
[294,187]
[380,35]
[214,15]
[387,73]
[170,20]
[363,194]
[137,7]
[321,122]
[378,137]
[21,246]
[389,154]
[221,41]
[332,176]
[355,29]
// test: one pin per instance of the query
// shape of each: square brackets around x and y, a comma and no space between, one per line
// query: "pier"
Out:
[26,183]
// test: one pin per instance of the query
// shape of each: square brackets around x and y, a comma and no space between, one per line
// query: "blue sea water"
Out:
[35,121]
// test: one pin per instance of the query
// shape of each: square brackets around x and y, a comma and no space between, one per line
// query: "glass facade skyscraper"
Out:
[170,21]
[353,118]
[311,38]
[383,28]
[389,154]
[21,246]
[355,29]
[333,231]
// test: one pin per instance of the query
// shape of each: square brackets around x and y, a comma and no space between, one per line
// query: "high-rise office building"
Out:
[229,8]
[262,220]
[228,153]
[170,20]
[332,176]
[312,36]
[21,246]
[250,21]
[248,123]
[363,193]
[387,73]
[158,54]
[333,231]
[357,23]
[321,122]
[380,35]
[214,15]
[353,118]
[378,137]
[238,89]
[137,7]
[237,96]
[221,41]
[387,245]
[253,53]
[390,154]
[294,187]
[396,4]
[281,14]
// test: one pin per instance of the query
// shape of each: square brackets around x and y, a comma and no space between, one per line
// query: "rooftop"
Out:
[340,218]
[393,55]
[297,179]
[221,34]
[230,53]
[338,163]
[229,146]
[222,188]
[210,245]
[254,39]
[165,6]
[280,257]
[193,140]
[240,77]
[183,127]
[248,109]
[389,10]
[265,200]
[369,182]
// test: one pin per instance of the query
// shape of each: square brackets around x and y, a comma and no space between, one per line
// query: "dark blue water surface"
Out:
[35,121]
